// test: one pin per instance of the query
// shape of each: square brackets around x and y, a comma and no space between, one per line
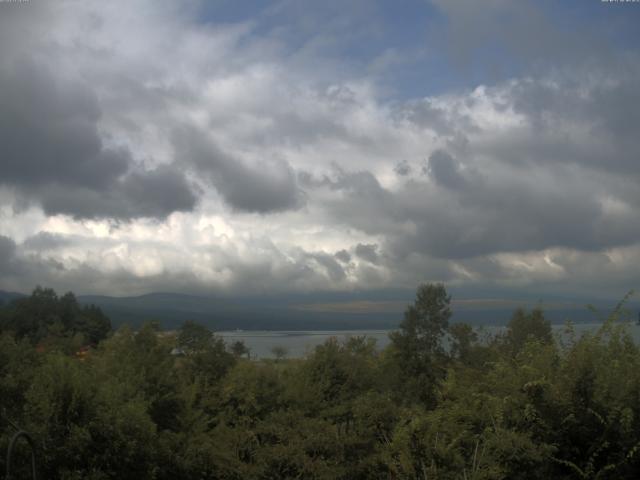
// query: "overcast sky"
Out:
[289,146]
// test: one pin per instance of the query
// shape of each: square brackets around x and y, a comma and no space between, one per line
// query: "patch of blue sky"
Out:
[409,49]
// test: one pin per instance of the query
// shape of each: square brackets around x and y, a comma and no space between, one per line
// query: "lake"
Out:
[300,343]
[297,343]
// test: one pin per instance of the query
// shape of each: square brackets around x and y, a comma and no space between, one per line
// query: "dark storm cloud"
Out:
[261,188]
[367,252]
[52,153]
[155,194]
[159,192]
[444,170]
[48,132]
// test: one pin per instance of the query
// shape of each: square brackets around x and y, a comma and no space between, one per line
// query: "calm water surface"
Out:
[300,343]
[297,343]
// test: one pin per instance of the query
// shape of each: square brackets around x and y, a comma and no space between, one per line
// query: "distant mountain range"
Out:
[328,312]
[172,309]
[6,297]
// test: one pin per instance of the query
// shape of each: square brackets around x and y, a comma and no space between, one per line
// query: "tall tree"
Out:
[417,345]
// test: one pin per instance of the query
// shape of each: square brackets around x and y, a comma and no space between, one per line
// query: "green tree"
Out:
[194,337]
[93,323]
[463,340]
[207,355]
[417,345]
[44,314]
[525,326]
[239,349]
[31,317]
[279,352]
[88,426]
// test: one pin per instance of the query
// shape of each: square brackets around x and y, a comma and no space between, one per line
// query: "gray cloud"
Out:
[363,203]
[343,256]
[43,241]
[155,194]
[260,188]
[590,272]
[530,181]
[16,268]
[7,252]
[592,123]
[367,252]
[436,118]
[521,30]
[48,132]
[445,171]
[52,152]
[402,168]
[158,192]
[464,214]
[331,266]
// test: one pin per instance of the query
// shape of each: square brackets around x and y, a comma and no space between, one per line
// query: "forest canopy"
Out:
[438,402]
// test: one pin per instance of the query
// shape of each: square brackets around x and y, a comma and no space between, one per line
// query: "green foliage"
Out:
[45,317]
[525,326]
[279,352]
[193,337]
[417,348]
[517,406]
[463,341]
[84,426]
[239,349]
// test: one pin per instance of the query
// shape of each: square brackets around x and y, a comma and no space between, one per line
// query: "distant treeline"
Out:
[140,404]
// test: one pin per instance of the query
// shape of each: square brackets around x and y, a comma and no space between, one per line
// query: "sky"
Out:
[301,147]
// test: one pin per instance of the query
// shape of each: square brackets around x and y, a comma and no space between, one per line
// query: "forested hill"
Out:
[171,310]
[374,310]
[7,297]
